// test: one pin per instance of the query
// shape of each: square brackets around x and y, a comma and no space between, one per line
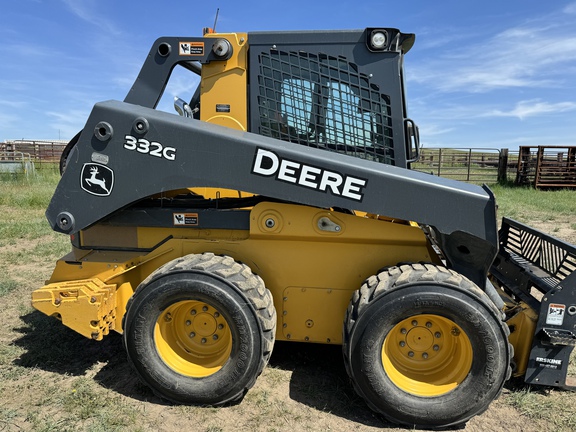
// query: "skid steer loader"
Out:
[280,206]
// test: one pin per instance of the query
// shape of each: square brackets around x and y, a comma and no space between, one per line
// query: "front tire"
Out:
[200,330]
[425,347]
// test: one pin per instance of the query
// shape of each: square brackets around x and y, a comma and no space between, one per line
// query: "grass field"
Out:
[52,379]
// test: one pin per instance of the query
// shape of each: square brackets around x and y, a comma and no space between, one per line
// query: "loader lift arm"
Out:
[214,156]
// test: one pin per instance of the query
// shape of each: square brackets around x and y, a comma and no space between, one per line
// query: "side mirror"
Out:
[182,107]
[412,141]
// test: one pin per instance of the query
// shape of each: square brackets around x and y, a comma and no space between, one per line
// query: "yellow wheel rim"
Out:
[427,355]
[193,338]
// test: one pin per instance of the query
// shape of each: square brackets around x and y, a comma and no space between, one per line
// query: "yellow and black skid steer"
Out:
[280,205]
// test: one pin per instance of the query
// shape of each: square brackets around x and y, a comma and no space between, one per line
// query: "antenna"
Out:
[208,30]
[216,19]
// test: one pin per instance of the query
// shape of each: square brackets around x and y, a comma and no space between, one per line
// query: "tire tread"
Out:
[241,276]
[395,277]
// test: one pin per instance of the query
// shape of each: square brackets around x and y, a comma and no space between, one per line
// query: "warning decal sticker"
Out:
[191,48]
[185,219]
[555,314]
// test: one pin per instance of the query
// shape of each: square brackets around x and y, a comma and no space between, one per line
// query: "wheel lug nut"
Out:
[193,312]
[428,324]
[403,331]
[216,314]
[168,317]
[402,343]
[435,347]
[215,337]
[410,353]
[437,335]
[424,356]
[203,340]
[414,323]
[188,322]
[220,326]
[192,334]
[204,308]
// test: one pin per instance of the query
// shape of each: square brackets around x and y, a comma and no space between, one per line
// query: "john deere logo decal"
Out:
[97,179]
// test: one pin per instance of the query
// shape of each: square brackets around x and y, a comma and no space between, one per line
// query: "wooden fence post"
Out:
[502,166]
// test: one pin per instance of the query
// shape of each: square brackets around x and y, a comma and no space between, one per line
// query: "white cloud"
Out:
[570,9]
[528,55]
[532,108]
[7,119]
[68,123]
[429,130]
[87,10]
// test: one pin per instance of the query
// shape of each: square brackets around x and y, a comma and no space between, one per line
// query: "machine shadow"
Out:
[318,377]
[52,347]
[319,380]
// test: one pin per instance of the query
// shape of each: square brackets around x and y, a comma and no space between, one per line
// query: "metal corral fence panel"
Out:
[16,163]
[547,166]
[42,153]
[474,165]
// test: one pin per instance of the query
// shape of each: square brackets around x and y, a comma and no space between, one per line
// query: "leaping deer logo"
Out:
[96,181]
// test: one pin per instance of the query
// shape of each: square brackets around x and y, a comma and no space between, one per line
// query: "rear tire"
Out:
[66,152]
[200,330]
[425,347]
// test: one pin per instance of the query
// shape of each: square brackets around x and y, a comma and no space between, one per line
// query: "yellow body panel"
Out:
[223,96]
[311,267]
[522,327]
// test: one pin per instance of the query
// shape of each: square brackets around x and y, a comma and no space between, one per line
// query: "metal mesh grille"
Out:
[325,102]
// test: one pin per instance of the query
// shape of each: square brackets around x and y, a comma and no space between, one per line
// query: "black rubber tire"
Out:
[232,289]
[406,291]
[66,152]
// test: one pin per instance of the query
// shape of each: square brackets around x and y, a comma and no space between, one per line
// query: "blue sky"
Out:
[491,74]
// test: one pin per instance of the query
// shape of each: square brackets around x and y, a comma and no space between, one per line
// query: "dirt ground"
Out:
[53,379]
